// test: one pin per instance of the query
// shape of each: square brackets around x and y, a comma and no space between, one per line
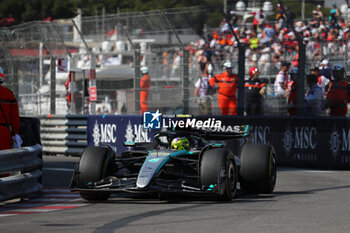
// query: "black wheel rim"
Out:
[231,178]
[273,172]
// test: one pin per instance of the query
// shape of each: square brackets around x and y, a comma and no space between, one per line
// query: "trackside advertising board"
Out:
[315,142]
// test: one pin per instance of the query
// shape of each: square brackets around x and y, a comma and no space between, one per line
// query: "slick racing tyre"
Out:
[258,168]
[218,169]
[95,164]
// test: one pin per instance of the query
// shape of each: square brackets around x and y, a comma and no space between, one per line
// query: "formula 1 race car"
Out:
[178,161]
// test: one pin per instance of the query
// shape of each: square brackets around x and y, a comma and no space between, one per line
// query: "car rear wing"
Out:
[231,132]
[237,131]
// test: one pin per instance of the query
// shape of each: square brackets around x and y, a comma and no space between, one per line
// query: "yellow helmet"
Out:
[180,143]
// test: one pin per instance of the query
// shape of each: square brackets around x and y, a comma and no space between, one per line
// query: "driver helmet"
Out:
[180,143]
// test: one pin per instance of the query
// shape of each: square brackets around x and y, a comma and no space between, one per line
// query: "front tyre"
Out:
[217,168]
[95,164]
[258,169]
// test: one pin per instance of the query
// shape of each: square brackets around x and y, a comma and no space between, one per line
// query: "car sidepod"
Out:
[151,166]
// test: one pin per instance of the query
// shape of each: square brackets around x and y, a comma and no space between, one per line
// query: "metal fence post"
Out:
[185,80]
[72,90]
[52,85]
[301,75]
[241,69]
[241,79]
[14,73]
[137,78]
[92,89]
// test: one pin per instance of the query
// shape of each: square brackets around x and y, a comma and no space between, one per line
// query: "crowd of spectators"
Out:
[270,45]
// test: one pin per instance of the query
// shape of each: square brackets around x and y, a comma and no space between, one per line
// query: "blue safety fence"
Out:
[322,142]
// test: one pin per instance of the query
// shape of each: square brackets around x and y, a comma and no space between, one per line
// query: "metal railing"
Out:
[20,172]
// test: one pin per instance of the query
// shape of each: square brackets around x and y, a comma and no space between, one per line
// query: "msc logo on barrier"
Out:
[104,133]
[339,142]
[152,120]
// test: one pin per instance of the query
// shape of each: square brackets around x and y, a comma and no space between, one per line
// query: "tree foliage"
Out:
[28,10]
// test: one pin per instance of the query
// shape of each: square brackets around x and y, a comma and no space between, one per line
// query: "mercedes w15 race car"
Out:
[178,161]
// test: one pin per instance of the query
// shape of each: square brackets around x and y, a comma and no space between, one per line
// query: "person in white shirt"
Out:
[281,88]
[325,70]
[314,100]
[282,80]
[322,81]
[201,92]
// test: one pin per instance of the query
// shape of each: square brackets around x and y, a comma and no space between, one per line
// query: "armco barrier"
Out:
[322,142]
[63,134]
[26,163]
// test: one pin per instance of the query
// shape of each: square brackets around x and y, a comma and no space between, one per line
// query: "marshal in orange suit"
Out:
[227,83]
[145,84]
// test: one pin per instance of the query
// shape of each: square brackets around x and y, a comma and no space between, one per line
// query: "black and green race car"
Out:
[206,168]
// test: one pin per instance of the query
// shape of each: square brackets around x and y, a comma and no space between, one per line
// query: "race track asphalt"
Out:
[305,200]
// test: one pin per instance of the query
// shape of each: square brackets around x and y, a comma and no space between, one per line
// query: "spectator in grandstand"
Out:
[281,80]
[215,41]
[9,117]
[165,64]
[264,40]
[224,27]
[338,95]
[201,42]
[254,41]
[281,86]
[314,103]
[233,18]
[261,17]
[284,17]
[315,22]
[333,21]
[145,84]
[269,31]
[292,97]
[265,59]
[325,70]
[176,63]
[201,59]
[202,93]
[290,15]
[255,23]
[334,10]
[227,88]
[319,15]
[322,81]
[255,88]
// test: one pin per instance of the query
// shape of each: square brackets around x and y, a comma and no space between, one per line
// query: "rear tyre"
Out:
[95,164]
[258,170]
[217,168]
